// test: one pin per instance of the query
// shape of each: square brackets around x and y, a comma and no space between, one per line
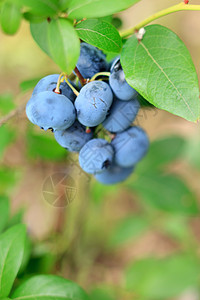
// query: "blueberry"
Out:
[49,83]
[130,146]
[118,83]
[91,61]
[114,174]
[121,115]
[74,137]
[50,110]
[96,156]
[93,103]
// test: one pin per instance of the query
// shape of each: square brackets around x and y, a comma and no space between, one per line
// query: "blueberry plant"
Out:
[106,75]
[92,93]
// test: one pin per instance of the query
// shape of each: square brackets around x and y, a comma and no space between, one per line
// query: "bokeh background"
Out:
[136,240]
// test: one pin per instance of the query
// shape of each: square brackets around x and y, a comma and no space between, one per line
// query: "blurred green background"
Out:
[137,240]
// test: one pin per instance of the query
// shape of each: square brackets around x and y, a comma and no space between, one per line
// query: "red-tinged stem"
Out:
[82,80]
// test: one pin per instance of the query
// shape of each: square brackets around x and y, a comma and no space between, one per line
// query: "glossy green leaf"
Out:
[10,18]
[100,34]
[11,255]
[39,33]
[155,279]
[128,229]
[27,254]
[46,8]
[165,192]
[160,68]
[4,212]
[49,287]
[99,8]
[64,44]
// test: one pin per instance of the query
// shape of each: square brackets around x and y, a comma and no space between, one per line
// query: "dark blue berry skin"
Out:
[118,83]
[130,146]
[51,110]
[96,156]
[121,115]
[93,103]
[114,174]
[91,61]
[74,137]
[49,83]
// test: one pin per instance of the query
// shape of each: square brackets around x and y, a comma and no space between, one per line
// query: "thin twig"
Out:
[12,114]
[175,8]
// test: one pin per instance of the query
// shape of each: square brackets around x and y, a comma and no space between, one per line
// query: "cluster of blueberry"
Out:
[77,117]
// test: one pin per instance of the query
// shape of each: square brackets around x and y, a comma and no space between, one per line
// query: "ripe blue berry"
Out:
[121,115]
[96,156]
[130,146]
[73,138]
[114,175]
[93,103]
[49,83]
[118,83]
[50,110]
[91,61]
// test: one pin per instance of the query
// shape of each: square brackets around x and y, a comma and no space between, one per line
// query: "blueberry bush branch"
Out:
[19,110]
[183,6]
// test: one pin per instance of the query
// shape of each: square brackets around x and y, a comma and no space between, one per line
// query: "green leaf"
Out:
[6,103]
[154,279]
[8,179]
[41,264]
[101,294]
[191,151]
[11,255]
[33,18]
[49,287]
[117,22]
[99,8]
[165,192]
[7,136]
[17,218]
[4,212]
[160,68]
[10,18]
[64,44]
[44,146]
[178,228]
[28,84]
[46,8]
[162,152]
[39,33]
[100,34]
[27,254]
[128,229]
[63,4]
